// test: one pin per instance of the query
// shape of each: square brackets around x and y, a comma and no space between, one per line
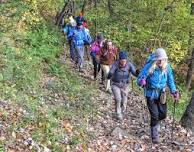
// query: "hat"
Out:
[100,37]
[160,54]
[122,55]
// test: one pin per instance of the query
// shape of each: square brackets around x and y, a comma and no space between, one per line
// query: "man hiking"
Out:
[80,37]
[68,31]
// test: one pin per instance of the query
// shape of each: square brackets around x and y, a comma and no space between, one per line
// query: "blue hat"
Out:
[122,55]
[100,37]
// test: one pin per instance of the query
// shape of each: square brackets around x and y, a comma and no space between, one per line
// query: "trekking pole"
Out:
[173,122]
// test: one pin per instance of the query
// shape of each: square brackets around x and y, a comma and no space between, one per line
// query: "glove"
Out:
[176,95]
[142,82]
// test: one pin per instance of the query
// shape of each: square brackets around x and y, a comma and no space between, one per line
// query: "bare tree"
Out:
[187,119]
[110,7]
[68,9]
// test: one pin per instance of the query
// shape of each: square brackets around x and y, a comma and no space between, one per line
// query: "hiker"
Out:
[80,18]
[154,77]
[94,49]
[80,37]
[106,57]
[120,74]
[68,31]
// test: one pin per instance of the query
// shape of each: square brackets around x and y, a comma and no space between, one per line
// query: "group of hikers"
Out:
[154,77]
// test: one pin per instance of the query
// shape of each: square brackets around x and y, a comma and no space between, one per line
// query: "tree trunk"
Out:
[190,71]
[191,47]
[68,9]
[110,7]
[73,7]
[61,14]
[83,6]
[187,119]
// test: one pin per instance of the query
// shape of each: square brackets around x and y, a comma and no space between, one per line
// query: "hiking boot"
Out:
[155,134]
[119,116]
[156,141]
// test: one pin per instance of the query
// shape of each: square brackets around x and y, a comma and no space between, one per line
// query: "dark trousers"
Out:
[102,76]
[157,111]
[96,67]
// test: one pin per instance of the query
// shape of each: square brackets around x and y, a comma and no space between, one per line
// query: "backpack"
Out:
[163,94]
[68,29]
[149,59]
[88,39]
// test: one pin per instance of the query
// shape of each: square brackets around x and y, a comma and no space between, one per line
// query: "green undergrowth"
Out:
[36,84]
[181,105]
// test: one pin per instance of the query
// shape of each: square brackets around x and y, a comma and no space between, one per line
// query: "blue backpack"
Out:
[149,58]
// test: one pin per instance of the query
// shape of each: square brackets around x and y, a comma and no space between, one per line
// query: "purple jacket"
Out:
[95,47]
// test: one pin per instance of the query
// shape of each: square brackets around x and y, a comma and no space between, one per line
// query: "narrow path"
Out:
[132,134]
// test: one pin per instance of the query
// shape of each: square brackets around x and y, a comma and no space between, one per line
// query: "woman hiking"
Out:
[154,77]
[120,74]
[106,57]
[94,49]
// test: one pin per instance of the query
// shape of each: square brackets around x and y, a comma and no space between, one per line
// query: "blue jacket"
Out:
[156,82]
[120,76]
[68,30]
[81,37]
